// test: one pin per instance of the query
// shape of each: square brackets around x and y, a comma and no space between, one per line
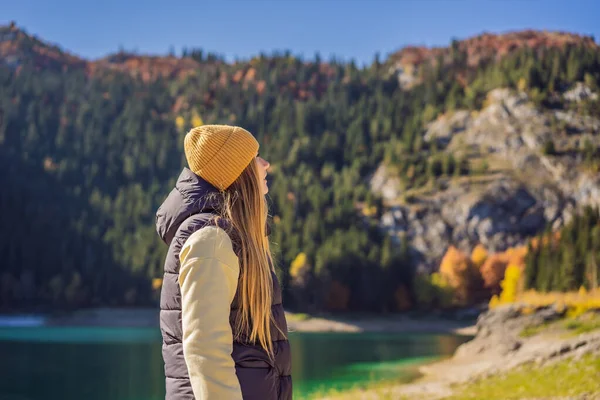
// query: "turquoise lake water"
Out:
[68,363]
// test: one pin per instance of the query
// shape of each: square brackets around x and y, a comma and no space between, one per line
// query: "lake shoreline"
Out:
[149,317]
[506,339]
[389,324]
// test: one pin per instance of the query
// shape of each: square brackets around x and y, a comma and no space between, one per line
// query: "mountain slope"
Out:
[463,57]
[520,190]
[109,134]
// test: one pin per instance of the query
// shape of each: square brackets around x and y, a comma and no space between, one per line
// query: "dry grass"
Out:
[576,303]
[565,379]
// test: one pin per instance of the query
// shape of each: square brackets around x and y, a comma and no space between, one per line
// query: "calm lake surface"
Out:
[48,363]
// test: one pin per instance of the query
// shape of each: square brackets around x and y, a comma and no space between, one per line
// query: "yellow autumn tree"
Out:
[196,119]
[369,211]
[297,265]
[522,84]
[510,284]
[157,283]
[180,122]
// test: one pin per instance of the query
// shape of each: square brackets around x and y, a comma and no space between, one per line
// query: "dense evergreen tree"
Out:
[566,260]
[87,159]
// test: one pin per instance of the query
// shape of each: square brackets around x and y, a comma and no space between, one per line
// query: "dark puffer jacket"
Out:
[186,210]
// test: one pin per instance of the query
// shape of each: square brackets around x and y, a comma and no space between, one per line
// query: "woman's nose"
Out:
[264,163]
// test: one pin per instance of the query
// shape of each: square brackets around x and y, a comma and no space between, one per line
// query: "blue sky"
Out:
[348,29]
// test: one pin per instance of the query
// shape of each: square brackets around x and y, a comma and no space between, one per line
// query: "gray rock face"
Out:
[508,123]
[580,92]
[497,346]
[500,214]
[517,197]
[442,130]
[498,330]
[385,184]
[494,334]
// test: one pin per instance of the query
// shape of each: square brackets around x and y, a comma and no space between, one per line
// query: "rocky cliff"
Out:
[535,171]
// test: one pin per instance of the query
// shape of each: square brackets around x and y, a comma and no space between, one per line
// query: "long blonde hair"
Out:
[245,207]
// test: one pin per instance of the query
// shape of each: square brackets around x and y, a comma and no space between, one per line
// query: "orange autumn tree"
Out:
[492,272]
[459,271]
[516,255]
[479,255]
[494,268]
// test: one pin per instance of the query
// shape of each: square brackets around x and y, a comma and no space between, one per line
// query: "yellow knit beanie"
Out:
[219,153]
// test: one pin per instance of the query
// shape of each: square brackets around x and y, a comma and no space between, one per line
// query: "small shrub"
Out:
[549,148]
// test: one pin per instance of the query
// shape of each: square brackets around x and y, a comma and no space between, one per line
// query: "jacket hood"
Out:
[190,196]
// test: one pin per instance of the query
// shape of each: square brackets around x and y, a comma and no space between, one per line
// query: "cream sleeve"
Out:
[208,280]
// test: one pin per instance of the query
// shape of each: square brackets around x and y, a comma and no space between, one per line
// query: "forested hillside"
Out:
[89,149]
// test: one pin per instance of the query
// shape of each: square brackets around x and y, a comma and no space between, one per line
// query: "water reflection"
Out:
[340,361]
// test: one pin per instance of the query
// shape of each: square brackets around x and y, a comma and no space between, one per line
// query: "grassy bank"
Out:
[565,327]
[564,379]
[569,378]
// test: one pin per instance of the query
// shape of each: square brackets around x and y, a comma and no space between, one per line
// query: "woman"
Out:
[223,325]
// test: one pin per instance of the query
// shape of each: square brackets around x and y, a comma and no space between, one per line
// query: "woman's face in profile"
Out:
[263,166]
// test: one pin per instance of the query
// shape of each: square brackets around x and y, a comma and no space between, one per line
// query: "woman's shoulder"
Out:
[210,242]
